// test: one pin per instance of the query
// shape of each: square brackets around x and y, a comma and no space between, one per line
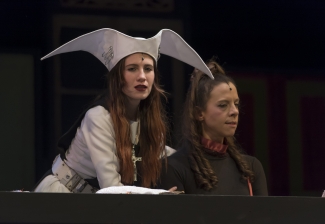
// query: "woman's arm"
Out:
[99,136]
[171,177]
[259,185]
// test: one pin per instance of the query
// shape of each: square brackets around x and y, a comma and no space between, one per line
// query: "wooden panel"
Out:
[313,144]
[162,6]
[135,208]
[278,144]
[305,115]
[17,154]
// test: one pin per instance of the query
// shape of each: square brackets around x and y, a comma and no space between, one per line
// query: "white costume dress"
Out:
[92,152]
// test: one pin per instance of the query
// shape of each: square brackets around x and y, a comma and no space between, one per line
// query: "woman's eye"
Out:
[148,69]
[237,105]
[131,69]
[222,105]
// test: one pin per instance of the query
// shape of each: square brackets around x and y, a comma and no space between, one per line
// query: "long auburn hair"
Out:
[153,126]
[197,97]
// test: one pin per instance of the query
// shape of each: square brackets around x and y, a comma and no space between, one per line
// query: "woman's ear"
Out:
[199,115]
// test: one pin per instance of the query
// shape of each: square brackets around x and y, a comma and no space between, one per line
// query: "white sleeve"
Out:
[97,129]
[169,151]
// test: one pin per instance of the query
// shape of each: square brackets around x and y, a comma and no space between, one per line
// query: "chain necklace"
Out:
[134,158]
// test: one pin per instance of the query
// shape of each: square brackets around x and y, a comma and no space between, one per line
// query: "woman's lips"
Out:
[232,124]
[141,88]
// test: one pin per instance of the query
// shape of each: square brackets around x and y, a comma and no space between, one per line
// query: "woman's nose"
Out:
[142,75]
[234,110]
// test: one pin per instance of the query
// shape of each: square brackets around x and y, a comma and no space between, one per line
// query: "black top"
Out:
[230,181]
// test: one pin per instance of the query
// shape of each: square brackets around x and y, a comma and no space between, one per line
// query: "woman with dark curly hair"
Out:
[209,161]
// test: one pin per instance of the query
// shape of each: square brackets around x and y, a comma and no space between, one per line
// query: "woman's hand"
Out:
[172,189]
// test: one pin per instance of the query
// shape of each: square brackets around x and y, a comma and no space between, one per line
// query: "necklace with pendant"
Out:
[134,158]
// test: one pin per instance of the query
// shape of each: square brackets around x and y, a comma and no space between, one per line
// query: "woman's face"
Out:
[220,118]
[139,76]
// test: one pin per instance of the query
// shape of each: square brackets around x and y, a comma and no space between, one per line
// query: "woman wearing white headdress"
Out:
[120,139]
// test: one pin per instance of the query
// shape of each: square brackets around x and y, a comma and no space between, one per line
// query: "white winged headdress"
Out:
[110,46]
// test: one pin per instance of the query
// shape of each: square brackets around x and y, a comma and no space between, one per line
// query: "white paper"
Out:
[129,190]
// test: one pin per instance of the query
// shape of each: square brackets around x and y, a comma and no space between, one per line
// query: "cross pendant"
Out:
[134,160]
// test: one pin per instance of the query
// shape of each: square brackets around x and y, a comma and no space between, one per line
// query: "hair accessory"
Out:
[110,46]
[229,86]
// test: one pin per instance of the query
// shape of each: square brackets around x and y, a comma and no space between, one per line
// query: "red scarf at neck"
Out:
[214,146]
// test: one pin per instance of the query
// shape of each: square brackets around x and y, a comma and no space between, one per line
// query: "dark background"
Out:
[275,42]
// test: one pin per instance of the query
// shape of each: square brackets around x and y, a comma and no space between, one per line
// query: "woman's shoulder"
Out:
[249,158]
[179,157]
[97,116]
[253,162]
[97,111]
